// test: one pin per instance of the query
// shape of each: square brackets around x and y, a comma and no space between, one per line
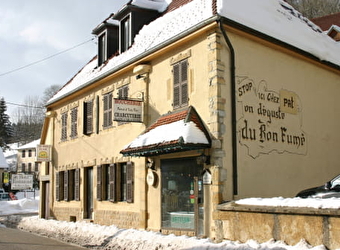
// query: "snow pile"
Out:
[22,206]
[317,203]
[110,237]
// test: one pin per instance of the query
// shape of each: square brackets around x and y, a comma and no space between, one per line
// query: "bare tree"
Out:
[315,8]
[28,120]
[49,93]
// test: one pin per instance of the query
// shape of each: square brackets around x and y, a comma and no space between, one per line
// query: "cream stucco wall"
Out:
[273,167]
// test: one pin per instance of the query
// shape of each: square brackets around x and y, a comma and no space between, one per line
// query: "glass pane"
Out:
[178,192]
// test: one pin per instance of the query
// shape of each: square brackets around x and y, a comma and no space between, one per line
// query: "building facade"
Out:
[199,106]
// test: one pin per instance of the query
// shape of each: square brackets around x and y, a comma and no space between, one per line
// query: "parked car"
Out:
[4,197]
[328,190]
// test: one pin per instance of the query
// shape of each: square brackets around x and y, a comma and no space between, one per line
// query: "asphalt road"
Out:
[13,239]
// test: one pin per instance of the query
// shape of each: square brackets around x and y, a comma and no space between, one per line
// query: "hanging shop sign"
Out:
[151,178]
[44,153]
[128,110]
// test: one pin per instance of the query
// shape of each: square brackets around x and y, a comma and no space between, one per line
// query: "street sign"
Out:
[22,181]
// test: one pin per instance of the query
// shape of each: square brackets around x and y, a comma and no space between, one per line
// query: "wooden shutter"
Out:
[130,181]
[66,186]
[112,182]
[107,103]
[88,117]
[57,186]
[176,101]
[74,117]
[77,184]
[184,82]
[64,126]
[99,183]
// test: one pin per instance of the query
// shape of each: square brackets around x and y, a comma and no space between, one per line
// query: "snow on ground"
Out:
[110,237]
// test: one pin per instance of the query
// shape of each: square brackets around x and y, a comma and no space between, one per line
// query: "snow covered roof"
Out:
[32,144]
[3,163]
[272,18]
[173,132]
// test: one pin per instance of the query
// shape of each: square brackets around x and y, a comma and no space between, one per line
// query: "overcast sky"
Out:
[32,30]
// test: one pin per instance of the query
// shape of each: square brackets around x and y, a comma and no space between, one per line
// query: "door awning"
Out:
[173,132]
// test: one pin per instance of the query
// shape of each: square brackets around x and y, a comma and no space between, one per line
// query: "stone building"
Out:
[188,104]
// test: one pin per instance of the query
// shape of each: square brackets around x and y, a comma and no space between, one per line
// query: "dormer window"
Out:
[125,32]
[108,35]
[102,49]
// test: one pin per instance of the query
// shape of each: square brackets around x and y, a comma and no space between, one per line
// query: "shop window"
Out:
[88,117]
[107,107]
[74,124]
[23,154]
[115,182]
[64,126]
[180,84]
[180,182]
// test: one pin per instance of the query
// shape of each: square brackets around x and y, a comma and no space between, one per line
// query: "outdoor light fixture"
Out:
[139,76]
[203,159]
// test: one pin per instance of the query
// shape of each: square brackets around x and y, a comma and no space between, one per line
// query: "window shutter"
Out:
[184,82]
[64,126]
[107,103]
[65,185]
[176,85]
[99,183]
[129,182]
[77,185]
[74,117]
[57,187]
[88,117]
[112,182]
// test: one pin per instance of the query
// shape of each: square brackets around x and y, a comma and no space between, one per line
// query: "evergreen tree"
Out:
[5,126]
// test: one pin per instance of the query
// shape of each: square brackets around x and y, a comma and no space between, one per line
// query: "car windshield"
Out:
[335,181]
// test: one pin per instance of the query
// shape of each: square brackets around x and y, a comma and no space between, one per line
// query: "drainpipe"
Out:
[233,106]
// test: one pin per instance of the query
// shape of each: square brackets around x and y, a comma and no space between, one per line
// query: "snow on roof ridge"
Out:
[275,19]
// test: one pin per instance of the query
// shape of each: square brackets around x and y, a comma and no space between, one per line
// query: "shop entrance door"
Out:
[182,195]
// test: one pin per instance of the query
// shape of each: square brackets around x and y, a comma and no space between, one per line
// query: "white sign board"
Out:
[43,153]
[21,182]
[128,110]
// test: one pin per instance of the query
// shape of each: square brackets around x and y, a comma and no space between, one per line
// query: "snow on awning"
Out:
[174,132]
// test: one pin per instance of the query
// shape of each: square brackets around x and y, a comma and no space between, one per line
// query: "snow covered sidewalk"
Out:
[95,236]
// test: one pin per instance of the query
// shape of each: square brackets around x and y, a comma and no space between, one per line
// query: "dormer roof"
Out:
[108,22]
